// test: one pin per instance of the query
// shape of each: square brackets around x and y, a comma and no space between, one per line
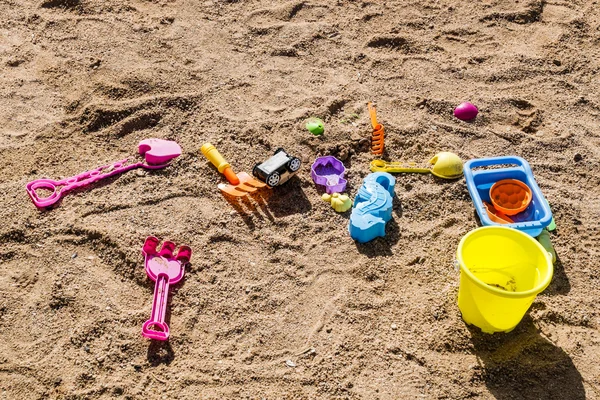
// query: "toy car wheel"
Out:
[255,170]
[279,150]
[294,164]
[273,179]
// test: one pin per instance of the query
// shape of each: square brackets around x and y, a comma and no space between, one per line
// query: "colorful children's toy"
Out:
[158,153]
[445,165]
[544,239]
[164,269]
[496,215]
[339,202]
[466,111]
[240,184]
[501,272]
[552,225]
[377,137]
[510,196]
[328,171]
[372,207]
[534,218]
[278,169]
[315,126]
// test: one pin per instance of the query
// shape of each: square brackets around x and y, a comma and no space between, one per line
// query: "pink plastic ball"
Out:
[465,111]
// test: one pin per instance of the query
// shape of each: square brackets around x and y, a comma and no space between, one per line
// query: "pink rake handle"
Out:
[160,329]
[164,269]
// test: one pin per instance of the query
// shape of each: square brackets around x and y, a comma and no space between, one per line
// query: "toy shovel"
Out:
[164,269]
[240,184]
[446,165]
[158,153]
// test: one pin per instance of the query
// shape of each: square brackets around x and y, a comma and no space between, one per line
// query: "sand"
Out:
[276,277]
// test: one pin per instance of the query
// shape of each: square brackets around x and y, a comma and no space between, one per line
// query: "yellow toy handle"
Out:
[219,162]
[395,167]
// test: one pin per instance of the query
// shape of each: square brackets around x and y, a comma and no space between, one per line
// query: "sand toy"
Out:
[496,215]
[158,153]
[446,165]
[240,184]
[328,171]
[164,269]
[481,174]
[372,207]
[339,202]
[466,111]
[510,196]
[278,169]
[377,137]
[501,272]
[544,239]
[315,126]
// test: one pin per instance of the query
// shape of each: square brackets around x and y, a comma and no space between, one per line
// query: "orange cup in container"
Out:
[510,196]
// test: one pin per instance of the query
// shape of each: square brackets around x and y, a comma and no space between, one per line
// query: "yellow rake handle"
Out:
[219,162]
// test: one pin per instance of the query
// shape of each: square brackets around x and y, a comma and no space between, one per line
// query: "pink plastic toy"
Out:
[164,269]
[157,152]
[466,111]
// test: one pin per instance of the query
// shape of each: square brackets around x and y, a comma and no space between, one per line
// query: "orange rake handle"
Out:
[378,133]
[219,162]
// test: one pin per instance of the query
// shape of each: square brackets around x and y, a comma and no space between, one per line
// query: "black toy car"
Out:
[277,169]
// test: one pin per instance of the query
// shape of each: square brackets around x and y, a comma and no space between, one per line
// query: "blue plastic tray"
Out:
[531,221]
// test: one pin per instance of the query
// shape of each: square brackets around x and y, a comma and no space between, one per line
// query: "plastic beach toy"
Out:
[158,153]
[446,165]
[466,111]
[164,269]
[495,215]
[510,196]
[315,126]
[372,207]
[480,178]
[278,169]
[339,202]
[544,239]
[240,184]
[552,225]
[501,272]
[378,135]
[328,171]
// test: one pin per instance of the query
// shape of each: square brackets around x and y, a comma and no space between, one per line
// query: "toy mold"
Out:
[339,202]
[372,207]
[328,171]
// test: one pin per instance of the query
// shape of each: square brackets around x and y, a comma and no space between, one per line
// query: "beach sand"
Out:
[275,277]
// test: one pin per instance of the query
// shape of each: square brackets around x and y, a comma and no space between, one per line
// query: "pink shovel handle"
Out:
[62,187]
[47,184]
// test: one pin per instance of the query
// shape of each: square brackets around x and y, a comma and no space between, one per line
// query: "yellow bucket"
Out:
[501,272]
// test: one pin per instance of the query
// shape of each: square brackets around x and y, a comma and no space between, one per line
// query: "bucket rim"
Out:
[528,293]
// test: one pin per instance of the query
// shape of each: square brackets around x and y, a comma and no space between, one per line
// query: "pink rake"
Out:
[164,269]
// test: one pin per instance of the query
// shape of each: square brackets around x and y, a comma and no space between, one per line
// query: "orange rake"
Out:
[377,136]
[240,184]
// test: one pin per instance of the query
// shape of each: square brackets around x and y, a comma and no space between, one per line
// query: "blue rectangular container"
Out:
[535,217]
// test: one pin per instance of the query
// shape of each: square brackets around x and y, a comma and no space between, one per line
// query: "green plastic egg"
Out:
[315,126]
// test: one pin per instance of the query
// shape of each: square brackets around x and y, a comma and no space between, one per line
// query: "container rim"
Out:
[528,293]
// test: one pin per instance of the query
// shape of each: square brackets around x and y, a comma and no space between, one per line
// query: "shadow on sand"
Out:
[523,364]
